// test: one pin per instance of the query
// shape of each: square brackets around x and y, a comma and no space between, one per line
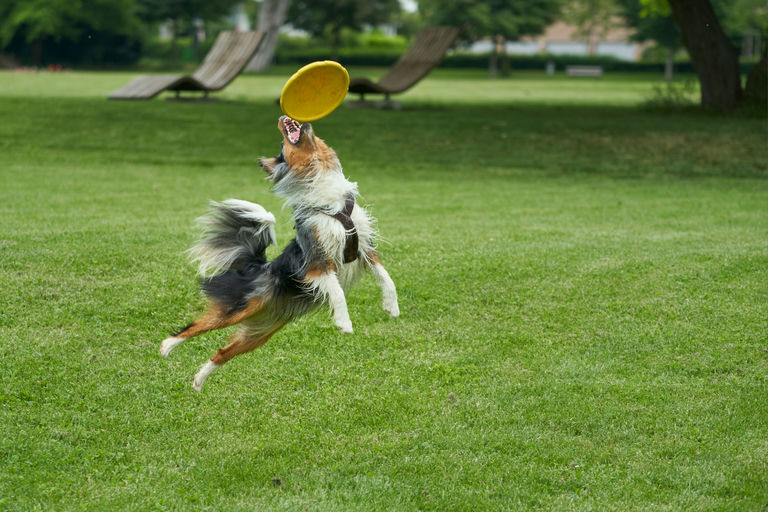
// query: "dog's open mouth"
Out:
[291,129]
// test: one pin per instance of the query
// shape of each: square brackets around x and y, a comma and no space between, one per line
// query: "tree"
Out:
[756,88]
[272,15]
[593,19]
[746,20]
[500,20]
[329,17]
[654,25]
[710,44]
[713,55]
[90,27]
[183,13]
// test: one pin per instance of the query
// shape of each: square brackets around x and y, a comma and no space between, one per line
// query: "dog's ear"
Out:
[309,134]
[268,164]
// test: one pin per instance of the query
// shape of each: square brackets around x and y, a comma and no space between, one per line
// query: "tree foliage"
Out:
[652,22]
[90,31]
[592,18]
[184,10]
[327,18]
[182,15]
[64,19]
[482,18]
[497,19]
[735,16]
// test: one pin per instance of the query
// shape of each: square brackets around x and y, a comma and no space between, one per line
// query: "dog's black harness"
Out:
[344,216]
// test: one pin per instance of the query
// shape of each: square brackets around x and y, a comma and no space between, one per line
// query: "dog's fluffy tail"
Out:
[235,235]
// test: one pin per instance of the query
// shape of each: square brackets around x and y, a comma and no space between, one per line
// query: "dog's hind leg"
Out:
[217,317]
[388,290]
[243,341]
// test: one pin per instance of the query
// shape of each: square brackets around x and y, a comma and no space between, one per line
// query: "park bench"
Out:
[228,57]
[587,71]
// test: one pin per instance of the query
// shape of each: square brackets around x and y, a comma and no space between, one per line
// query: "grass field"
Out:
[583,286]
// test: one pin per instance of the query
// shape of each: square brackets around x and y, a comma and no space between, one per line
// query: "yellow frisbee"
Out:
[314,91]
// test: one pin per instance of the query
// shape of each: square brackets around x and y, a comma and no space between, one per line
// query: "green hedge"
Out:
[292,54]
[347,56]
[377,57]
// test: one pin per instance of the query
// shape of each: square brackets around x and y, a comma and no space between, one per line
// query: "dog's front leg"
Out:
[328,286]
[388,290]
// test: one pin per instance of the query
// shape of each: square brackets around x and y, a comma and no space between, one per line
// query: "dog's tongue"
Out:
[293,129]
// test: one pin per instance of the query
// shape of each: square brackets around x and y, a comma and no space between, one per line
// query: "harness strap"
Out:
[344,216]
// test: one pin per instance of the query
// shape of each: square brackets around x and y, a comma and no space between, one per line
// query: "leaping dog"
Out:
[335,243]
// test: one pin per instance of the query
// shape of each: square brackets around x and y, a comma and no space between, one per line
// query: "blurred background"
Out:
[619,35]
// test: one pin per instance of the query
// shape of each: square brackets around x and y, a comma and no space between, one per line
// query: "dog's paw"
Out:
[345,326]
[392,308]
[208,368]
[389,303]
[168,345]
[197,384]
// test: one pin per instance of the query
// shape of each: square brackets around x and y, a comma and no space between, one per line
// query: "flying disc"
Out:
[314,91]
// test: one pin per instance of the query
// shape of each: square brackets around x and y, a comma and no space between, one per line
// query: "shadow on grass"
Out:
[438,140]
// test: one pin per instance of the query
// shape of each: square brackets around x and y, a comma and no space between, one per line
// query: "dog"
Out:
[335,243]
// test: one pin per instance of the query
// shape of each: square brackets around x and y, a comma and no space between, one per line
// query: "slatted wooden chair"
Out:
[228,57]
[426,52]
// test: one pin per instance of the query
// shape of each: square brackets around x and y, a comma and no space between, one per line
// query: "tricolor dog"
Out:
[335,243]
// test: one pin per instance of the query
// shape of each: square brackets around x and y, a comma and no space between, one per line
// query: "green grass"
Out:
[583,295]
[443,87]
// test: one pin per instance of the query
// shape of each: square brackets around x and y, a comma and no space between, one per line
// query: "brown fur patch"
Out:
[309,157]
[218,318]
[241,344]
[373,257]
[316,269]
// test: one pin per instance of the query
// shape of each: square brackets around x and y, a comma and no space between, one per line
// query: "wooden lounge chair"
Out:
[426,52]
[229,55]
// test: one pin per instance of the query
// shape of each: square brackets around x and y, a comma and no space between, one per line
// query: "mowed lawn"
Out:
[583,285]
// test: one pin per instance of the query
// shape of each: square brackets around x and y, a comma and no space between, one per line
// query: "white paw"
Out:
[168,345]
[391,307]
[197,384]
[345,326]
[203,374]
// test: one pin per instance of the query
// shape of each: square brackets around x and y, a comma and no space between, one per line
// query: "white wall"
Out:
[567,48]
[623,51]
[519,48]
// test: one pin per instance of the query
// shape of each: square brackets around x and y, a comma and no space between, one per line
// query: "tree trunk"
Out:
[272,14]
[503,57]
[37,52]
[493,64]
[195,43]
[757,82]
[174,43]
[493,60]
[591,40]
[669,64]
[713,56]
